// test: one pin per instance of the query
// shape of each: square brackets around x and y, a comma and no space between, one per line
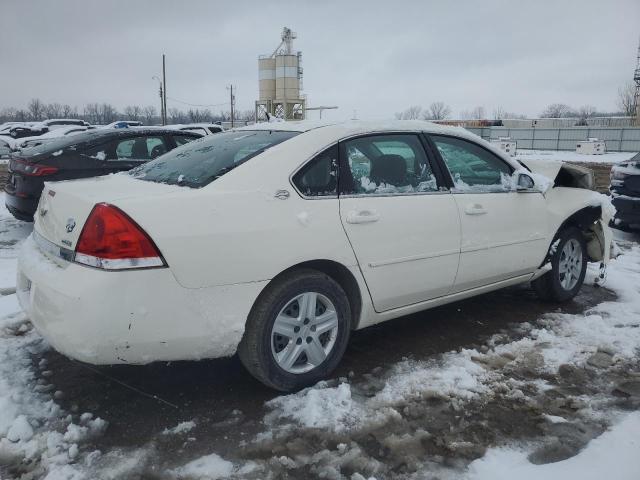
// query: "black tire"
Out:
[549,286]
[255,349]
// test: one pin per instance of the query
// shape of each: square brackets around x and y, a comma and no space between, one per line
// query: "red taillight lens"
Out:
[31,169]
[111,240]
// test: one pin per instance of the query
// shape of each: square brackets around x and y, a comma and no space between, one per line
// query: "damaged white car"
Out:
[277,240]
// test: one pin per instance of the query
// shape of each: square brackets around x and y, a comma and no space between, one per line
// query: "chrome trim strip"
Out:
[412,258]
[501,244]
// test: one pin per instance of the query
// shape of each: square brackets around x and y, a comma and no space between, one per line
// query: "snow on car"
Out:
[201,128]
[27,142]
[277,240]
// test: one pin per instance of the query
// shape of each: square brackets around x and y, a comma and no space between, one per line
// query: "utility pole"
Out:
[233,105]
[164,98]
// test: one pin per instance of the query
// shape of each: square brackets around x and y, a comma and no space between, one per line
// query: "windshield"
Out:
[200,162]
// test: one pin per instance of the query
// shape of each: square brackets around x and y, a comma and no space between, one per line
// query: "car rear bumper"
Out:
[136,317]
[20,207]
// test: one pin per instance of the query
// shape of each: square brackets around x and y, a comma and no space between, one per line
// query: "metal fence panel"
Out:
[616,139]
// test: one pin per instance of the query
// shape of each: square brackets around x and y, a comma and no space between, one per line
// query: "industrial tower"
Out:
[280,82]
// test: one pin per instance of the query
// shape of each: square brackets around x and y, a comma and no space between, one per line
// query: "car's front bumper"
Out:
[138,316]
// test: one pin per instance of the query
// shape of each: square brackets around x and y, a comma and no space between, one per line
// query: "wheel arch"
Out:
[338,272]
[587,220]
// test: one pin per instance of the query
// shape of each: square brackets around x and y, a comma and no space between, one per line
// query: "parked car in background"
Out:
[28,142]
[625,190]
[201,128]
[54,123]
[5,149]
[123,124]
[31,129]
[88,154]
[277,240]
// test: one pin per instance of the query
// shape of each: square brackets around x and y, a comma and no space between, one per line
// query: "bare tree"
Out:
[558,110]
[133,112]
[149,114]
[53,110]
[437,111]
[412,113]
[498,113]
[92,113]
[36,109]
[478,113]
[108,113]
[626,101]
[176,116]
[587,111]
[68,111]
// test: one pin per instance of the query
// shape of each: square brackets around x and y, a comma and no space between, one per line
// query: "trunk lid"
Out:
[65,206]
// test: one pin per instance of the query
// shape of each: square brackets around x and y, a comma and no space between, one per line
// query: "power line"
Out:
[196,104]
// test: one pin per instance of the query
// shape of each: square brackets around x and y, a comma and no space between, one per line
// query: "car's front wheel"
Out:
[297,331]
[568,267]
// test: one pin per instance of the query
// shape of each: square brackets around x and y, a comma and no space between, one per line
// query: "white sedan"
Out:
[277,240]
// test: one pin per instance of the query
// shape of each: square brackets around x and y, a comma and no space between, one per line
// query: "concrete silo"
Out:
[280,82]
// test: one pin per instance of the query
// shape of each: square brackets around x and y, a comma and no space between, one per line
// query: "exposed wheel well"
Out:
[340,274]
[583,220]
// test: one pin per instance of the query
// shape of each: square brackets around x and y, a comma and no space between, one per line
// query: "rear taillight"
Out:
[31,169]
[111,240]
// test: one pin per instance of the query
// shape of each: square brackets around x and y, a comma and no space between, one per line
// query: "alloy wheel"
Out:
[304,332]
[570,264]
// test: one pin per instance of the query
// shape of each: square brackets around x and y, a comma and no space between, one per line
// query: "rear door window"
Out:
[386,164]
[140,148]
[202,161]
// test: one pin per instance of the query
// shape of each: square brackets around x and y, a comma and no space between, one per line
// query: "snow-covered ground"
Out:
[555,398]
[568,156]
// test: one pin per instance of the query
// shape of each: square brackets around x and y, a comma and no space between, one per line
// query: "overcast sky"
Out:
[374,57]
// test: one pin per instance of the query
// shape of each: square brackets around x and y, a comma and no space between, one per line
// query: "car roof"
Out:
[91,137]
[358,126]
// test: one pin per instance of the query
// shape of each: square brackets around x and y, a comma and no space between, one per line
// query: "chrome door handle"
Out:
[475,209]
[362,216]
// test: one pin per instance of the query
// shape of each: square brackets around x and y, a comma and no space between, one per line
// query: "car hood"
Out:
[562,174]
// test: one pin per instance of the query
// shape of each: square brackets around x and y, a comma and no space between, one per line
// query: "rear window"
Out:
[200,162]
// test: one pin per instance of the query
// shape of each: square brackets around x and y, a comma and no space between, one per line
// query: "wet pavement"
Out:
[227,404]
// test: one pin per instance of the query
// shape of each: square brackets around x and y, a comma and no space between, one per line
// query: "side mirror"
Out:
[525,183]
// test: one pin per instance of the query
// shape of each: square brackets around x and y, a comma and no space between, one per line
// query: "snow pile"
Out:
[36,435]
[211,467]
[614,451]
[182,427]
[456,377]
[411,394]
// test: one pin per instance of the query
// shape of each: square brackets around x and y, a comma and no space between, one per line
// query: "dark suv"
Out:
[90,154]
[625,190]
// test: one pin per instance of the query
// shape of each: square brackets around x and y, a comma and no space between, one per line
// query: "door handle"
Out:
[362,216]
[475,209]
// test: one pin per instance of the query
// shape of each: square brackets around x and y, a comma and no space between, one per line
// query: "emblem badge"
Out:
[43,212]
[71,224]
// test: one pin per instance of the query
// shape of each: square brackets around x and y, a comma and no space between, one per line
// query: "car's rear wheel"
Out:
[568,268]
[297,331]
